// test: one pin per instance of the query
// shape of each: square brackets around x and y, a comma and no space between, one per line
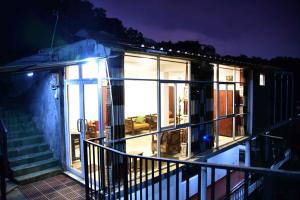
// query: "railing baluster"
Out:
[135,182]
[141,178]
[187,194]
[102,166]
[90,173]
[108,164]
[125,172]
[152,182]
[246,185]
[168,180]
[160,186]
[114,171]
[146,174]
[94,164]
[130,178]
[86,171]
[177,181]
[212,183]
[99,170]
[199,182]
[118,175]
[228,182]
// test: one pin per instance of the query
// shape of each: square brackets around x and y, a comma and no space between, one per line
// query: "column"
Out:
[203,182]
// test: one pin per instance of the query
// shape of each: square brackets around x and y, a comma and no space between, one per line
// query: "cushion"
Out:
[140,120]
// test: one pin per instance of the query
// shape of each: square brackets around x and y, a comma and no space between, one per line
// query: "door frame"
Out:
[80,82]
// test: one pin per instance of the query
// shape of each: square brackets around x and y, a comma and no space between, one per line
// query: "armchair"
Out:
[169,142]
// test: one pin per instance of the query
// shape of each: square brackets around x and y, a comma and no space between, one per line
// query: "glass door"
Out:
[75,127]
[82,112]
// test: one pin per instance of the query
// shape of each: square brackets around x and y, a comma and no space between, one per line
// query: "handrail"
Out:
[3,159]
[3,149]
[272,136]
[260,170]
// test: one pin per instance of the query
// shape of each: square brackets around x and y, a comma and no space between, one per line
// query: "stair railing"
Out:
[5,170]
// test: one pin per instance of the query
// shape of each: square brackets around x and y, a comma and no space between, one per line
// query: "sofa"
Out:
[134,125]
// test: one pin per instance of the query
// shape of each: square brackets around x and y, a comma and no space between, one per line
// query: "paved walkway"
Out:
[59,187]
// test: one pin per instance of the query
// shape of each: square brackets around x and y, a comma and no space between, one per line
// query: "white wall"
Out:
[140,98]
[230,157]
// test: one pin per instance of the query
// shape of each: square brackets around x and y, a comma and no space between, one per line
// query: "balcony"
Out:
[112,174]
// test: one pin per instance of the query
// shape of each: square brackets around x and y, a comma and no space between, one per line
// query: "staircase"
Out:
[29,156]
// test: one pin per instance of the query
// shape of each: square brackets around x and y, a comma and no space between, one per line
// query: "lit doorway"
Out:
[82,112]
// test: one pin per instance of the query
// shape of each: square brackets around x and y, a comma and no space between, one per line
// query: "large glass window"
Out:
[140,107]
[158,104]
[140,66]
[230,106]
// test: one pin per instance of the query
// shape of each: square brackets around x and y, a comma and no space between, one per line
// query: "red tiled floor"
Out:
[55,188]
[220,186]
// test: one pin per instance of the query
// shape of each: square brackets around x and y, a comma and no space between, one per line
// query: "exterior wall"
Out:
[47,113]
[261,102]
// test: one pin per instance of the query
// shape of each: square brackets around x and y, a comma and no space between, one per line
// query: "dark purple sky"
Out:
[262,28]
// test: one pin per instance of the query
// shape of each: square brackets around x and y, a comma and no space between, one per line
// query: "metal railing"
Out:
[4,167]
[113,174]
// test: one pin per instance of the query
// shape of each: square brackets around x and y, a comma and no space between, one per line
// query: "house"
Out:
[144,100]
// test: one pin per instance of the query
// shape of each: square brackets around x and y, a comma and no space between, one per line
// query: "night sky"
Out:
[251,27]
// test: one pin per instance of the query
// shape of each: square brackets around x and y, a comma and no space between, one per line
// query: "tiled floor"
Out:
[57,187]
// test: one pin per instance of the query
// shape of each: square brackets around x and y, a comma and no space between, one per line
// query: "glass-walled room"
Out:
[147,105]
[174,108]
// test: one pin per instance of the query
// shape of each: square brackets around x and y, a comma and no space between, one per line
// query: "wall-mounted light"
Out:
[30,74]
[54,84]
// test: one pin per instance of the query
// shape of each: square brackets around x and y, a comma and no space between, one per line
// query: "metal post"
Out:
[250,103]
[2,176]
[203,182]
[125,173]
[287,98]
[281,97]
[233,111]
[217,108]
[226,99]
[275,101]
[86,171]
[158,107]
[247,154]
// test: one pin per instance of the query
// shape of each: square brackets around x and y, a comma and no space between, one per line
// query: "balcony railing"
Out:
[113,174]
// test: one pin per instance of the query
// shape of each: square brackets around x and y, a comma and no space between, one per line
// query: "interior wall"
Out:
[140,98]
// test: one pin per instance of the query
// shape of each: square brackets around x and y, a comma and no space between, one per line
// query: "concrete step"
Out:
[28,149]
[25,141]
[16,119]
[34,167]
[30,158]
[28,178]
[20,126]
[11,115]
[26,132]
